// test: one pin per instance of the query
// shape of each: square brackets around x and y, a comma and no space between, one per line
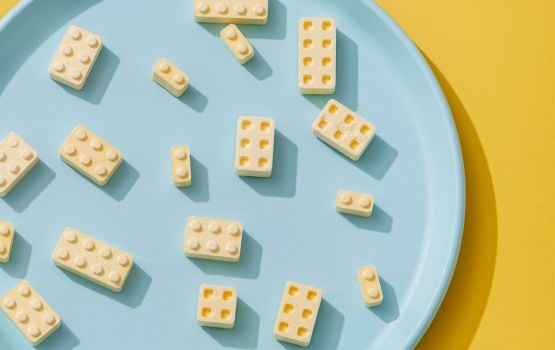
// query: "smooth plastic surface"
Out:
[292,232]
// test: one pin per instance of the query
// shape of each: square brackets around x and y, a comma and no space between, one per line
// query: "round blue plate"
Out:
[413,168]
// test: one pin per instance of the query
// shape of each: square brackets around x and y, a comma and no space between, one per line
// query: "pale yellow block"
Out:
[317,55]
[181,166]
[89,154]
[343,129]
[213,239]
[75,57]
[354,203]
[7,233]
[231,11]
[92,259]
[237,43]
[17,158]
[370,285]
[254,149]
[297,314]
[217,306]
[170,77]
[30,313]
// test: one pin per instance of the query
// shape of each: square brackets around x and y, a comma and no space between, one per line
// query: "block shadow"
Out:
[388,310]
[248,265]
[121,182]
[283,182]
[20,257]
[30,187]
[258,66]
[244,335]
[378,158]
[193,98]
[379,221]
[62,339]
[198,191]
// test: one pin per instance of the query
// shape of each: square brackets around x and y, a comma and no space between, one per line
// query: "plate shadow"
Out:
[30,187]
[198,191]
[379,221]
[19,257]
[62,339]
[121,182]
[388,310]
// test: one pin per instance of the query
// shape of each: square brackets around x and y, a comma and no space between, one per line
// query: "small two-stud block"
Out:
[170,77]
[237,43]
[7,234]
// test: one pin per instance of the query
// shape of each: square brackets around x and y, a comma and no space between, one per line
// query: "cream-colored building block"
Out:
[317,55]
[370,285]
[217,306]
[254,148]
[30,313]
[75,57]
[237,43]
[354,203]
[17,158]
[231,11]
[181,166]
[297,313]
[170,77]
[92,156]
[92,259]
[343,129]
[213,239]
[7,234]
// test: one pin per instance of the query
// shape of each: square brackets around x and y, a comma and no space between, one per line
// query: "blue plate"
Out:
[413,167]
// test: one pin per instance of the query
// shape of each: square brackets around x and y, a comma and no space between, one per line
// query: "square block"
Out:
[343,129]
[217,306]
[354,203]
[297,314]
[181,166]
[370,285]
[75,57]
[170,77]
[231,11]
[26,308]
[92,259]
[213,239]
[254,148]
[317,55]
[91,155]
[237,43]
[7,233]
[17,158]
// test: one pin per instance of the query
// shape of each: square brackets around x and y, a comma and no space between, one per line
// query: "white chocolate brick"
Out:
[231,11]
[297,313]
[17,158]
[181,166]
[317,55]
[89,154]
[237,43]
[7,233]
[217,306]
[370,285]
[354,203]
[213,239]
[170,77]
[343,129]
[75,57]
[30,313]
[92,259]
[254,148]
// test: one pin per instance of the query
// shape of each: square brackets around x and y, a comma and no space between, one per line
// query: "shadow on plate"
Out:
[30,187]
[258,66]
[193,98]
[62,339]
[121,182]
[388,310]
[198,191]
[379,221]
[245,333]
[19,257]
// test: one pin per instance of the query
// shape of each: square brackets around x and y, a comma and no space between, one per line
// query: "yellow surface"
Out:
[496,63]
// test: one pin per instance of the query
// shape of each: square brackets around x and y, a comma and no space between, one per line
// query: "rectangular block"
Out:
[75,57]
[231,11]
[317,55]
[297,313]
[91,155]
[254,149]
[213,239]
[26,308]
[217,306]
[92,259]
[17,158]
[237,43]
[370,285]
[354,203]
[170,77]
[343,129]
[181,166]
[7,233]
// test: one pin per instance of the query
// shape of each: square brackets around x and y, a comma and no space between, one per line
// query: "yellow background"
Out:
[495,61]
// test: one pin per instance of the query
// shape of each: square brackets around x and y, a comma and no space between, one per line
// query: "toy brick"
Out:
[354,203]
[343,129]
[231,11]
[170,77]
[237,43]
[7,233]
[17,158]
[370,285]
[217,306]
[92,259]
[254,149]
[181,166]
[213,239]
